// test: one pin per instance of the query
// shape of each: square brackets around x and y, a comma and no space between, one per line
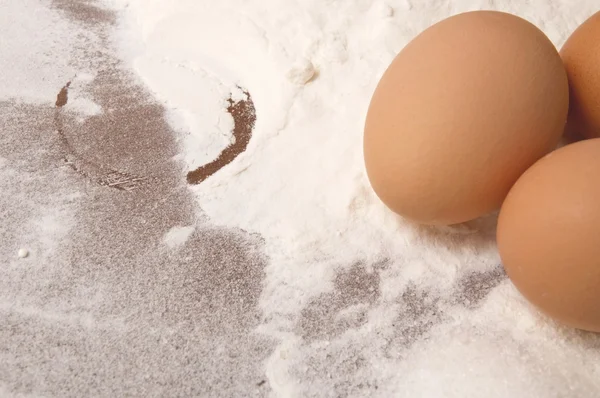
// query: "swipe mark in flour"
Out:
[63,96]
[244,117]
[100,174]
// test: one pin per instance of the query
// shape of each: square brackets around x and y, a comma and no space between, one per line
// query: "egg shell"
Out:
[549,235]
[462,111]
[581,56]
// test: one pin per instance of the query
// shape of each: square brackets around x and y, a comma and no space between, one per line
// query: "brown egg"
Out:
[581,56]
[463,110]
[549,234]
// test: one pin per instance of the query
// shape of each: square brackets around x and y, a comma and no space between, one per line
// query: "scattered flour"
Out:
[177,236]
[79,101]
[43,48]
[301,185]
[22,253]
[302,73]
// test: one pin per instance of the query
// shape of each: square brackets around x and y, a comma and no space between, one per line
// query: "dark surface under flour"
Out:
[112,311]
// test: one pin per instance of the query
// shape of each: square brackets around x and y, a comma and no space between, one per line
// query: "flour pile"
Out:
[438,317]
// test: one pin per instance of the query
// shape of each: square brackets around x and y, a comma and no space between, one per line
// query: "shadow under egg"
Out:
[479,233]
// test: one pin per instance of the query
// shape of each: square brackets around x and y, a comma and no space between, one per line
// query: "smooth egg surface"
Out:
[462,111]
[581,56]
[549,235]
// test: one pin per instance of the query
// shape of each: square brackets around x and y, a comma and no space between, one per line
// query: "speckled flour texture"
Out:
[186,179]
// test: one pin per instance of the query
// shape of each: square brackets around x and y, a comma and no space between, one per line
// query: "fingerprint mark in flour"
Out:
[419,312]
[475,287]
[244,117]
[330,314]
[98,173]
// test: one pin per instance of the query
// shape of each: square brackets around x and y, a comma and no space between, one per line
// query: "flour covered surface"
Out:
[187,180]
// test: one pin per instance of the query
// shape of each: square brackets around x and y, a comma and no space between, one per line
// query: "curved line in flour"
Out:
[98,173]
[244,118]
[249,58]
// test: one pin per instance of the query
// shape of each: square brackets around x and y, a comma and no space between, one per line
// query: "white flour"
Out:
[44,49]
[43,34]
[310,67]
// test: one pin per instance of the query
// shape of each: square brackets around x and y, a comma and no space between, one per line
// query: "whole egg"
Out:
[462,111]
